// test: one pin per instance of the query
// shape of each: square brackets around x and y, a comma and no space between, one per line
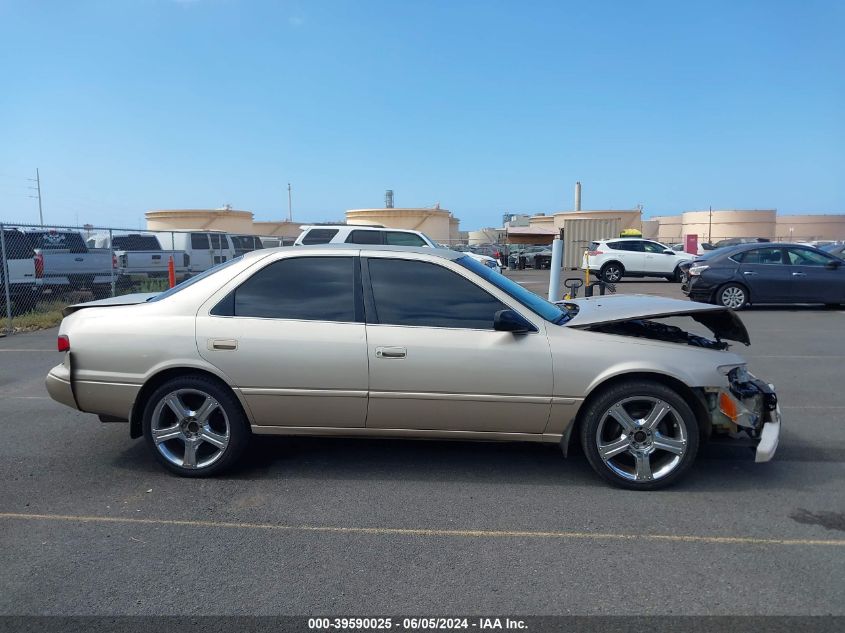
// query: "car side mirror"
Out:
[668,251]
[832,265]
[510,321]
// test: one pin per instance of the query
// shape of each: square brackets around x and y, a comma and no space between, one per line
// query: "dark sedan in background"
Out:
[737,276]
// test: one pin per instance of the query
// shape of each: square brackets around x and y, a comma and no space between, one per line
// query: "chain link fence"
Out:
[46,268]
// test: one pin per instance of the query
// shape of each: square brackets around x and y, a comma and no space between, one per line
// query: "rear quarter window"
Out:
[319,236]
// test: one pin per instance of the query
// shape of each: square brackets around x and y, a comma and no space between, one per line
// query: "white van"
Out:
[204,248]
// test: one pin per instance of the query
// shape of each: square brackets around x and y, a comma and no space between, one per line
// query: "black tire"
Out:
[612,272]
[733,296]
[678,426]
[232,416]
[676,276]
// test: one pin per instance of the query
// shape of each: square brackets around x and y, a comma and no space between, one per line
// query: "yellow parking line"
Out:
[387,531]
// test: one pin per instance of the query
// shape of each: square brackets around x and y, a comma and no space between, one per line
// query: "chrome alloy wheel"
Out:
[190,428]
[733,297]
[642,438]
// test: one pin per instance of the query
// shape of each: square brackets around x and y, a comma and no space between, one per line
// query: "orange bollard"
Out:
[171,271]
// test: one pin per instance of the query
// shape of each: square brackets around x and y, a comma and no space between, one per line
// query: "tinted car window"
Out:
[18,246]
[760,256]
[424,294]
[53,240]
[364,237]
[136,243]
[805,257]
[308,288]
[396,238]
[199,241]
[319,236]
[627,246]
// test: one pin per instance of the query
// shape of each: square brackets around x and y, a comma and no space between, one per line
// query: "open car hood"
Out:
[723,322]
[123,300]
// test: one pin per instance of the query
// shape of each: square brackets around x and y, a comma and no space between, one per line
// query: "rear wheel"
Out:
[732,296]
[612,272]
[194,426]
[640,435]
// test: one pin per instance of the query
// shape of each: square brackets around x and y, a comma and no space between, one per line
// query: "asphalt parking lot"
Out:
[89,524]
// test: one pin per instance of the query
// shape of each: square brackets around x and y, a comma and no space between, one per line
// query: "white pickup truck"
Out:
[24,286]
[140,256]
[67,264]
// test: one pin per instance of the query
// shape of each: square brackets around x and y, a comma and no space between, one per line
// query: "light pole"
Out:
[290,207]
[710,226]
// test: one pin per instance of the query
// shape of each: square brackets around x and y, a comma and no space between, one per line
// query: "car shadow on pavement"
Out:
[717,467]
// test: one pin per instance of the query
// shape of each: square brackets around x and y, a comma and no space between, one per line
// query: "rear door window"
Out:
[771,256]
[319,236]
[303,288]
[364,237]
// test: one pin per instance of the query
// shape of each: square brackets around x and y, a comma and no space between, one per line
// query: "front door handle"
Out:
[749,272]
[799,274]
[224,344]
[391,352]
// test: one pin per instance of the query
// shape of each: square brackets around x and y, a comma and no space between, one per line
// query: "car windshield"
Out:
[533,302]
[190,282]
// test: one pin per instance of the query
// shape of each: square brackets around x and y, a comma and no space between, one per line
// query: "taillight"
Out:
[39,266]
[113,260]
[63,343]
[594,253]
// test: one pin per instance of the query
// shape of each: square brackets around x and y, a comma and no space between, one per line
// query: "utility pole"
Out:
[290,208]
[710,226]
[37,187]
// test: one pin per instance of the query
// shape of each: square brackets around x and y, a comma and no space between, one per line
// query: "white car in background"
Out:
[613,259]
[377,234]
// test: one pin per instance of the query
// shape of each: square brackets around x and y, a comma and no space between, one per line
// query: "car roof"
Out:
[625,239]
[445,253]
[371,227]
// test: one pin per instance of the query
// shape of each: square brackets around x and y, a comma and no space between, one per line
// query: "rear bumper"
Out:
[59,387]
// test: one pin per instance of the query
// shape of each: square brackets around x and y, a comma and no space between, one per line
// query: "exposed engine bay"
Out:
[642,328]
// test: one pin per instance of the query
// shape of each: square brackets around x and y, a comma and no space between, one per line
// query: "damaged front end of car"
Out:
[740,407]
[747,410]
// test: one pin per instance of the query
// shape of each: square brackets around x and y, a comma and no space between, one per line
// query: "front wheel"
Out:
[640,435]
[732,296]
[194,426]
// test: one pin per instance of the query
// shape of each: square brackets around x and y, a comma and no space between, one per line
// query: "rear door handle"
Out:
[223,344]
[799,274]
[749,272]
[391,352]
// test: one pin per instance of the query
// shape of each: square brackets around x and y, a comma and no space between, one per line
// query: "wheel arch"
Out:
[694,398]
[159,378]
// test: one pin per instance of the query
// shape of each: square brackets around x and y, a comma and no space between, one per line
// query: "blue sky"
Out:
[482,106]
